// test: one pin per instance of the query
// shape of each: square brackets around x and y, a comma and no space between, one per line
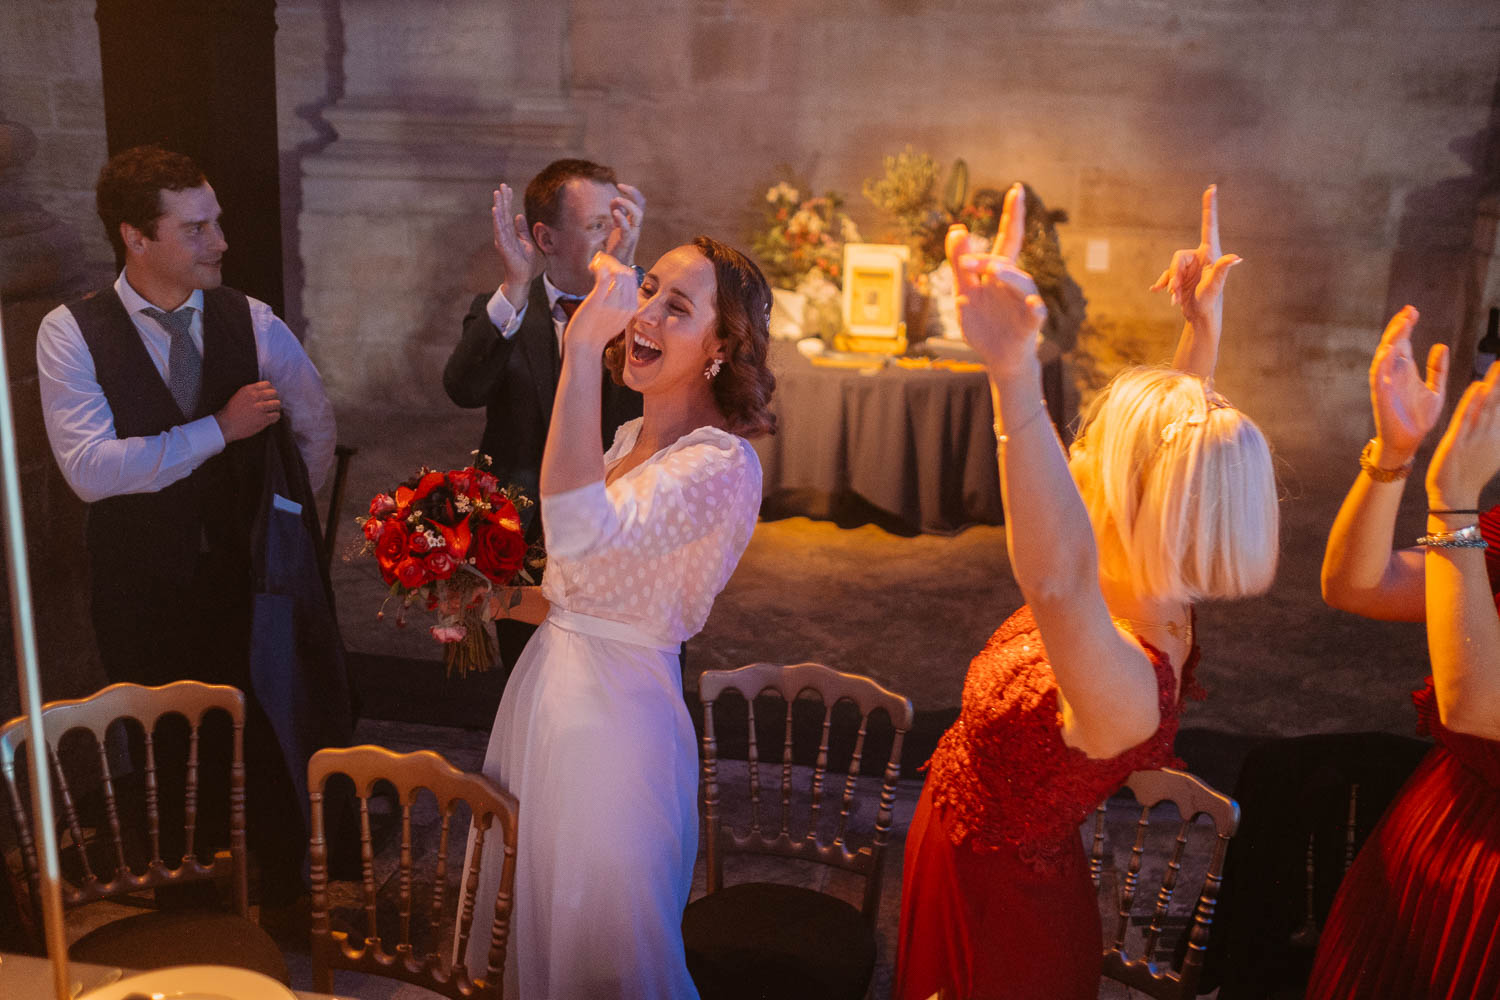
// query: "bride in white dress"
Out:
[592,735]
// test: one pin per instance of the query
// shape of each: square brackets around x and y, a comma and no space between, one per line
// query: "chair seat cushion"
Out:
[162,938]
[760,939]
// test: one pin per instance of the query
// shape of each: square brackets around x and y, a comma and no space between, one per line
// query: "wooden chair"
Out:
[1175,978]
[757,939]
[128,860]
[490,807]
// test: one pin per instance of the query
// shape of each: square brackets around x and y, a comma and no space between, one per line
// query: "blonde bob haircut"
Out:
[1179,487]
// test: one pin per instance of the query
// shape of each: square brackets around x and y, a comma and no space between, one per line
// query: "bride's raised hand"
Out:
[1406,407]
[606,309]
[1195,278]
[999,310]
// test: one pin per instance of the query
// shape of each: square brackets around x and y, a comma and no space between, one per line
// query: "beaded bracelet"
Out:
[1463,538]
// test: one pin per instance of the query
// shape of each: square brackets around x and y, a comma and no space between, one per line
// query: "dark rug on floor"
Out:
[405,689]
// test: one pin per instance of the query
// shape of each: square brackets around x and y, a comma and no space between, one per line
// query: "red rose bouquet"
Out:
[449,539]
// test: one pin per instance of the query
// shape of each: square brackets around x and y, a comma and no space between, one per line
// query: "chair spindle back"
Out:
[832,687]
[493,812]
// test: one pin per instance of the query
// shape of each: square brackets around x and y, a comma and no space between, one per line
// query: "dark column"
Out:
[199,77]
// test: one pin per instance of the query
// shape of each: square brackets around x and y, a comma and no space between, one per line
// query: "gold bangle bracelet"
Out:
[1375,472]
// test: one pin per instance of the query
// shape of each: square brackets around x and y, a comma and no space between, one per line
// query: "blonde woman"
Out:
[1167,497]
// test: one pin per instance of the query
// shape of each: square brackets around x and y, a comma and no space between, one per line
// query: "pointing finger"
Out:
[1210,228]
[1012,222]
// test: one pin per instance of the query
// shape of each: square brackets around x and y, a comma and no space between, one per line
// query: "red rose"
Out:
[412,573]
[498,551]
[373,526]
[418,543]
[382,504]
[462,481]
[485,482]
[391,548]
[440,563]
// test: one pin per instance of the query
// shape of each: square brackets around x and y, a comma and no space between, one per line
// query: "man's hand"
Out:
[250,410]
[628,212]
[520,260]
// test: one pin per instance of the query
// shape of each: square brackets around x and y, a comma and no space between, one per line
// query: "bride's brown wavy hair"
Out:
[742,303]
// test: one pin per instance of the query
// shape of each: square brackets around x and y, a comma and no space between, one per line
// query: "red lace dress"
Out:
[996,896]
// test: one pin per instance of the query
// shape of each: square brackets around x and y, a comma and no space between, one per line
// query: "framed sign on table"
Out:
[874,298]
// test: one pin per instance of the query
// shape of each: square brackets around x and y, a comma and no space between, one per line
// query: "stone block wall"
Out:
[1347,140]
[1353,142]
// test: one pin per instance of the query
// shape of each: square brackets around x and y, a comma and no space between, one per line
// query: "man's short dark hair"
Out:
[544,193]
[130,185]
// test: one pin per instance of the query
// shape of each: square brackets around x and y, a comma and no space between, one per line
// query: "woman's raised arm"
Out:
[1195,280]
[1108,685]
[1362,571]
[1463,630]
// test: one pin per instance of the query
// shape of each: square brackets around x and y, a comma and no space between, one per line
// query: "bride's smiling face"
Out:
[673,335]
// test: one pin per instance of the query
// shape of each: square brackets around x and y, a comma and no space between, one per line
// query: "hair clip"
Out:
[1211,401]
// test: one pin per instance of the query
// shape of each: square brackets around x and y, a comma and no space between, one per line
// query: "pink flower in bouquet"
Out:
[440,563]
[449,633]
[485,482]
[412,573]
[373,526]
[382,505]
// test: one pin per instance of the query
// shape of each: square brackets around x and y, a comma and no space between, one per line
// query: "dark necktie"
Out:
[565,306]
[184,363]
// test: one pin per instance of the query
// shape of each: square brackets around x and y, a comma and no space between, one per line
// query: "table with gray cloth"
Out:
[917,446]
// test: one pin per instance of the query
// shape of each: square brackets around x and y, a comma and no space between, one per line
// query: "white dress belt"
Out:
[605,628]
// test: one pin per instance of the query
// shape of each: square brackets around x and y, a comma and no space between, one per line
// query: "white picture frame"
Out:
[875,290]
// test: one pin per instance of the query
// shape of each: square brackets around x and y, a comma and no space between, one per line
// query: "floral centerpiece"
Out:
[800,247]
[448,540]
[922,204]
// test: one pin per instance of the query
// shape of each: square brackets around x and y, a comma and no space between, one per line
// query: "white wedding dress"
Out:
[593,737]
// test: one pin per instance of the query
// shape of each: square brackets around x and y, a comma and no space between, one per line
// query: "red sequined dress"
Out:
[996,896]
[1418,914]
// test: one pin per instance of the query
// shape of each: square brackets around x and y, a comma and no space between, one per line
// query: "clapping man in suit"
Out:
[509,357]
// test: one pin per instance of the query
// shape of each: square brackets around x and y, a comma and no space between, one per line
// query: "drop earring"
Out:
[712,369]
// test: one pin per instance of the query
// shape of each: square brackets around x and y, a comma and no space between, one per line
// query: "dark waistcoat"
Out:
[161,534]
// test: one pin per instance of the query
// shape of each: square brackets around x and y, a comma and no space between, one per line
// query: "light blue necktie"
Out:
[184,363]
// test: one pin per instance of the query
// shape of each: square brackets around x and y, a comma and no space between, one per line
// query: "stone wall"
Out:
[1345,139]
[1352,142]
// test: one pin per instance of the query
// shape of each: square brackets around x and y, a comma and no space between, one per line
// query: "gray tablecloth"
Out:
[918,445]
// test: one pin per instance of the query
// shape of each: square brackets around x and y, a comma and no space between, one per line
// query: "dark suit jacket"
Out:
[516,381]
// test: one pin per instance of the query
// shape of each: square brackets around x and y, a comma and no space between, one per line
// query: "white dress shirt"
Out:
[81,427]
[508,320]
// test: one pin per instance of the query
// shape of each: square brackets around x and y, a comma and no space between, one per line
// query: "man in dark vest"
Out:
[509,357]
[155,393]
